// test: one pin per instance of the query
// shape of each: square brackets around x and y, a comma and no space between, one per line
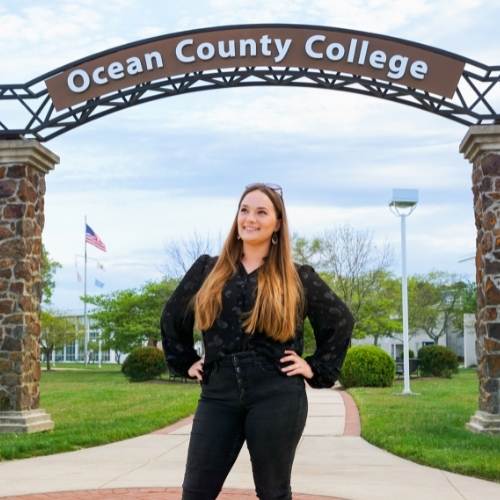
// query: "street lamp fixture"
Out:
[402,204]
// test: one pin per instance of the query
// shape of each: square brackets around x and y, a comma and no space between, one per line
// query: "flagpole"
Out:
[86,340]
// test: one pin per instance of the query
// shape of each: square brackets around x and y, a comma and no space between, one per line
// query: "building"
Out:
[461,343]
[394,345]
[75,351]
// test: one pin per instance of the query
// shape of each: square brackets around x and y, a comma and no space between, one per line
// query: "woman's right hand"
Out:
[196,370]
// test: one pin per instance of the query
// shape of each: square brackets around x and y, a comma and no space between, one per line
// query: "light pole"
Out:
[466,350]
[402,204]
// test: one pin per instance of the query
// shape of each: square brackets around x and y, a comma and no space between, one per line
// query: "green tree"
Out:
[305,251]
[129,318]
[309,340]
[380,311]
[436,303]
[57,330]
[48,271]
[468,302]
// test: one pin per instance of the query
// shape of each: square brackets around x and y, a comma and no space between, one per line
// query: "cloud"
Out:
[50,34]
[159,171]
[438,235]
[275,113]
[149,32]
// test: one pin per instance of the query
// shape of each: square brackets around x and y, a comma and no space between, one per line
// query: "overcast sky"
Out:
[161,171]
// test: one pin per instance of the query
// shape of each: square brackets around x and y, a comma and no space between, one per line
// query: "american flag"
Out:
[93,239]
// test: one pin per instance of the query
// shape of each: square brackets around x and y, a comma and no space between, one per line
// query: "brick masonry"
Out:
[149,494]
[23,165]
[481,146]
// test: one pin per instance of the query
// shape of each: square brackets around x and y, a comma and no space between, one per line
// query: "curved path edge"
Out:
[150,494]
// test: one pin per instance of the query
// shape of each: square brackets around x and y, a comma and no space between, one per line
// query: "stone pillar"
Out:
[23,165]
[481,146]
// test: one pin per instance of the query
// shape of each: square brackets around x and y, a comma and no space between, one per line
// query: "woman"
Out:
[250,303]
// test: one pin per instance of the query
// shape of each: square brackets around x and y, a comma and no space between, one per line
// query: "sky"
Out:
[163,171]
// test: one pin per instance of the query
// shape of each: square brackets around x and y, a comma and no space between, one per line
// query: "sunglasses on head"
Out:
[270,185]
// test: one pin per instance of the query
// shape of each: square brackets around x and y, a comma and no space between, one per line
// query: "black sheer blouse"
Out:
[331,320]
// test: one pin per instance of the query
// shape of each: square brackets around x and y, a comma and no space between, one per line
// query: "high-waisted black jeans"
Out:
[245,397]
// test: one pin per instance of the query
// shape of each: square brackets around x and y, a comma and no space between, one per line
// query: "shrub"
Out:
[438,361]
[144,363]
[367,366]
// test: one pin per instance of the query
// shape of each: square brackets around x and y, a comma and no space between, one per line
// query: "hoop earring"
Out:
[274,239]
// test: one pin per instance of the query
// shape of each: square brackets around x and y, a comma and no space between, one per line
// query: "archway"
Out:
[409,73]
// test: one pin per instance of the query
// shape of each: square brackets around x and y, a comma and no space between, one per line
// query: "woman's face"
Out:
[257,218]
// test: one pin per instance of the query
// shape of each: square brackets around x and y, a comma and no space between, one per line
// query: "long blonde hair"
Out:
[279,297]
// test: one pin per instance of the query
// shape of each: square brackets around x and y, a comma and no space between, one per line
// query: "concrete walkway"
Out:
[332,461]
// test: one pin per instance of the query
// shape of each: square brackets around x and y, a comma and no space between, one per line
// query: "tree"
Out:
[469,297]
[57,330]
[129,318]
[380,311]
[436,303]
[151,299]
[306,251]
[356,269]
[309,340]
[48,271]
[353,264]
[181,254]
[468,302]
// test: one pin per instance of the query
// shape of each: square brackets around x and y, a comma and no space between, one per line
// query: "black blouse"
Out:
[330,318]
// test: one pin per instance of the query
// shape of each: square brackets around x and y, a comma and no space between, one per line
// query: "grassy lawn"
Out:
[430,428]
[93,405]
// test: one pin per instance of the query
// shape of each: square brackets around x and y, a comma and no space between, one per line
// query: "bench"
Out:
[414,367]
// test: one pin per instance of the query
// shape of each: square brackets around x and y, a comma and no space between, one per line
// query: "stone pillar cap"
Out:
[480,139]
[27,152]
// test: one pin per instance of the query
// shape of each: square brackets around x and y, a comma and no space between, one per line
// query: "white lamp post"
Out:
[402,204]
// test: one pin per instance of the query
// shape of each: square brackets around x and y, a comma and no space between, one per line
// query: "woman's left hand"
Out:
[299,366]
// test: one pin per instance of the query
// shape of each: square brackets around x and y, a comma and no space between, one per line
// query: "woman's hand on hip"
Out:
[299,366]
[196,370]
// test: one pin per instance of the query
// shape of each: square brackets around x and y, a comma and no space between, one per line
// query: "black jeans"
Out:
[245,397]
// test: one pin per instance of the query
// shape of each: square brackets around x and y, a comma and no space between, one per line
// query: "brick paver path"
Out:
[149,494]
[352,428]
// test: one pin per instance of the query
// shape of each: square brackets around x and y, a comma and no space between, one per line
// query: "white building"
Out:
[394,345]
[75,351]
[462,344]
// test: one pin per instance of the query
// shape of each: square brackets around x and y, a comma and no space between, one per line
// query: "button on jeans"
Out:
[245,397]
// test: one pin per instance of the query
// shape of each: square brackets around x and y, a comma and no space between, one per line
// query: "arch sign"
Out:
[410,73]
[346,52]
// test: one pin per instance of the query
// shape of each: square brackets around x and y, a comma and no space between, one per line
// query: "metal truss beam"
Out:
[476,100]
